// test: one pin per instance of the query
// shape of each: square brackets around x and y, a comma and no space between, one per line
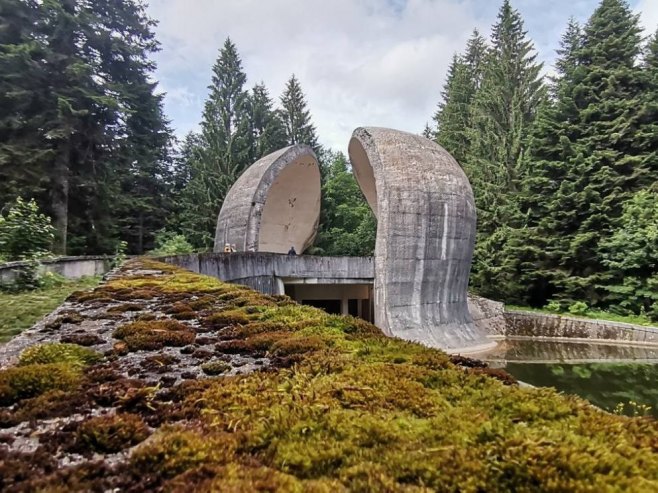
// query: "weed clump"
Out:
[156,334]
[22,382]
[111,434]
[59,353]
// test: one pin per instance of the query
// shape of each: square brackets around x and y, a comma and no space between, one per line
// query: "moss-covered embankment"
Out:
[166,380]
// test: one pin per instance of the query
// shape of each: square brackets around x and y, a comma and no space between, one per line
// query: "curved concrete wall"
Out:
[425,237]
[274,204]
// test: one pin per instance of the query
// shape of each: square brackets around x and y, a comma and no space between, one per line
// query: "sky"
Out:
[359,62]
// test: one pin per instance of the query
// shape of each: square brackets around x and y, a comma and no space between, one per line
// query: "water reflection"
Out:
[606,375]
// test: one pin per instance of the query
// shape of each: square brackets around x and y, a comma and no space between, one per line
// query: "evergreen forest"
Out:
[563,160]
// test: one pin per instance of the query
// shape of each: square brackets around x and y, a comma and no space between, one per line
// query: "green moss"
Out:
[156,334]
[113,433]
[352,410]
[175,451]
[22,382]
[58,353]
[226,318]
[216,367]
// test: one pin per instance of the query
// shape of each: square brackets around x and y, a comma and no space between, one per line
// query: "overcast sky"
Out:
[360,62]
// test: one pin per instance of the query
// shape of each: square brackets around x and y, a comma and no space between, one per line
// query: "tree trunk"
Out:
[60,198]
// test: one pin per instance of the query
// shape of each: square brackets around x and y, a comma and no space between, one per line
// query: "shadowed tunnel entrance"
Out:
[335,298]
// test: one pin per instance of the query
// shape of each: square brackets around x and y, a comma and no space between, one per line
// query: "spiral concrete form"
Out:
[425,237]
[273,205]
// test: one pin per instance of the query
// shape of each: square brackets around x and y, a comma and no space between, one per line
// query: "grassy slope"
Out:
[342,408]
[19,311]
[592,314]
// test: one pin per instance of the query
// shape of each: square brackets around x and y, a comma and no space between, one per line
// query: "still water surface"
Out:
[606,375]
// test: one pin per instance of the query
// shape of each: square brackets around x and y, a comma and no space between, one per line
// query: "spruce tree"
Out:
[296,116]
[591,153]
[453,117]
[501,113]
[71,71]
[551,144]
[267,127]
[226,146]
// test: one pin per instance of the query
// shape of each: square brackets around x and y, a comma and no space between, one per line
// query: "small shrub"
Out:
[111,434]
[25,232]
[170,243]
[578,308]
[553,306]
[58,353]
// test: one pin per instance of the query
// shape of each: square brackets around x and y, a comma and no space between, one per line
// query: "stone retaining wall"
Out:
[532,324]
[69,267]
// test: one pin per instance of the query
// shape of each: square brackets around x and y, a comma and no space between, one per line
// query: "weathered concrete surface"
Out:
[266,272]
[274,204]
[69,267]
[544,325]
[488,315]
[425,237]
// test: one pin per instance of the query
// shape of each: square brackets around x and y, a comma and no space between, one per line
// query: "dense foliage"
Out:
[81,127]
[347,226]
[564,173]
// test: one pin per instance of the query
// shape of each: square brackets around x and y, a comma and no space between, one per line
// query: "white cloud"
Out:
[360,62]
[648,10]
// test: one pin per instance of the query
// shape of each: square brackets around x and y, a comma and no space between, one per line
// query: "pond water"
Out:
[607,375]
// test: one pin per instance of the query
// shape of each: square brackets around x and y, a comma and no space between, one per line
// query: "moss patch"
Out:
[58,353]
[19,311]
[110,434]
[338,407]
[32,380]
[156,334]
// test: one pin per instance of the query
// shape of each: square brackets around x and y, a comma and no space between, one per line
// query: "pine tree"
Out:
[226,146]
[592,154]
[453,117]
[501,113]
[551,141]
[296,117]
[267,127]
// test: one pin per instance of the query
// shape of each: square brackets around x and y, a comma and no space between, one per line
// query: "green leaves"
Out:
[24,231]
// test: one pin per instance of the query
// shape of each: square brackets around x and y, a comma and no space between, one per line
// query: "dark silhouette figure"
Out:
[292,251]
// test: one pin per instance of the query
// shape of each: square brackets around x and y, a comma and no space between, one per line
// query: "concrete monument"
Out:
[273,205]
[425,235]
[426,221]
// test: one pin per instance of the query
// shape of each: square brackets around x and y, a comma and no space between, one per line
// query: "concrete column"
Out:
[344,306]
